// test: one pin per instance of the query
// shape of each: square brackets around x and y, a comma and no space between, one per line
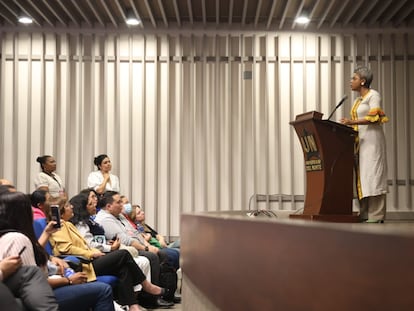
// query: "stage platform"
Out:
[234,262]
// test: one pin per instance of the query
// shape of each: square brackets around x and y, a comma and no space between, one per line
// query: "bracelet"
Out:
[70,281]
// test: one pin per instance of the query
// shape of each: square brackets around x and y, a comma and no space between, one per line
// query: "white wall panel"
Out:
[311,86]
[175,84]
[271,93]
[185,126]
[287,136]
[35,123]
[8,134]
[237,119]
[21,117]
[298,100]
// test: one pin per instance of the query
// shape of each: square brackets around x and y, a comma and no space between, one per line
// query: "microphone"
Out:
[339,105]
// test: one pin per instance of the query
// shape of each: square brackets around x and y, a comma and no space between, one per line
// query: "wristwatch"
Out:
[146,248]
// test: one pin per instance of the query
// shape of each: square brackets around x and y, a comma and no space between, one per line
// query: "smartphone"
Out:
[55,213]
[22,250]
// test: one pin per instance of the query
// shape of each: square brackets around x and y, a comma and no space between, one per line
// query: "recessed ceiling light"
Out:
[131,19]
[24,19]
[302,19]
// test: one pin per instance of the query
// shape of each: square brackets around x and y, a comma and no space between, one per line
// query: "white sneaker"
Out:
[179,281]
[118,307]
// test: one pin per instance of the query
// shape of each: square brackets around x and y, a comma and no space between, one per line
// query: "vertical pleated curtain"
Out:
[193,122]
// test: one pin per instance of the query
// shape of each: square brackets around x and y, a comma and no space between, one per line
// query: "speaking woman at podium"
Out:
[367,118]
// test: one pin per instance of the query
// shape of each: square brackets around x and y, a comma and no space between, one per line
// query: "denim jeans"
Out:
[82,297]
[173,256]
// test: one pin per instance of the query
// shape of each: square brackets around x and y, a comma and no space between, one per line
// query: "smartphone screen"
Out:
[55,215]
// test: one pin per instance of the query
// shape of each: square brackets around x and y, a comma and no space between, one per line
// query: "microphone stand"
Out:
[337,106]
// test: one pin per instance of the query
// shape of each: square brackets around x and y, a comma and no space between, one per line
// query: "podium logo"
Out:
[313,165]
[313,160]
[308,143]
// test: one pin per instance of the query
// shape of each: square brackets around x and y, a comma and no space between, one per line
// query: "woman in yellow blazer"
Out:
[69,241]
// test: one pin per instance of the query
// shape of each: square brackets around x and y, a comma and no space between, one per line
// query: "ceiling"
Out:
[210,14]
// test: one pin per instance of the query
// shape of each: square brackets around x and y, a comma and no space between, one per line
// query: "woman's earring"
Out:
[362,83]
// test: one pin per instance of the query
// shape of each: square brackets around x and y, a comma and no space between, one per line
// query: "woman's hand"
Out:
[147,236]
[60,264]
[97,254]
[153,249]
[115,244]
[106,179]
[106,176]
[9,265]
[78,278]
[161,239]
[50,229]
[47,232]
[346,121]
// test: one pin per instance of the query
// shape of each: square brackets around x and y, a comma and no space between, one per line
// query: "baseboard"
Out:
[408,215]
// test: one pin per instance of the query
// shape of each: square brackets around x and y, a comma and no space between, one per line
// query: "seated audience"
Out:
[136,217]
[69,241]
[111,219]
[38,198]
[155,239]
[41,211]
[129,211]
[102,180]
[71,291]
[84,210]
[47,179]
[27,283]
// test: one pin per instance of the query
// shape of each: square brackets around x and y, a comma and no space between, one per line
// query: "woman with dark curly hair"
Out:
[84,210]
[69,241]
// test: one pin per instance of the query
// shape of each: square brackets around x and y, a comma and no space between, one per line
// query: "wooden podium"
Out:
[328,149]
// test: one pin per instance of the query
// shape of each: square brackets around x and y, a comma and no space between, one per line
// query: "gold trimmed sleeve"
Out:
[376,115]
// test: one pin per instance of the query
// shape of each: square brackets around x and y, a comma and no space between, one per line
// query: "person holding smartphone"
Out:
[69,241]
[27,283]
[55,214]
[70,292]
